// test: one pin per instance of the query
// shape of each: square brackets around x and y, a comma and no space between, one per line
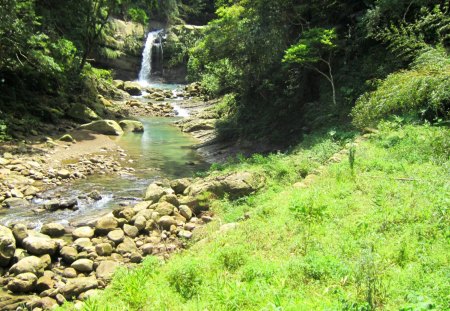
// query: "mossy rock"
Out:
[82,113]
[105,127]
[132,126]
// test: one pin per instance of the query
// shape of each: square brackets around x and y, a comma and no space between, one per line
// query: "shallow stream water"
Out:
[162,151]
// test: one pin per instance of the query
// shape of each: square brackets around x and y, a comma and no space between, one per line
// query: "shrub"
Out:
[423,91]
[232,258]
[185,279]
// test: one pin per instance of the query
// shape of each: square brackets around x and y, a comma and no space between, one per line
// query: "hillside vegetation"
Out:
[367,228]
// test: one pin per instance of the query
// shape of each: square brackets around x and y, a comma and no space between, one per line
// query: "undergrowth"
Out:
[371,236]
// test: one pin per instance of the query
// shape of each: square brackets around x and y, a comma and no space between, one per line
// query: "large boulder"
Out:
[132,126]
[106,127]
[132,88]
[74,287]
[83,232]
[38,246]
[235,185]
[154,192]
[7,246]
[31,264]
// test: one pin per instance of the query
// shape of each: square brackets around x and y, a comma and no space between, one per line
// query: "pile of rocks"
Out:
[135,107]
[51,270]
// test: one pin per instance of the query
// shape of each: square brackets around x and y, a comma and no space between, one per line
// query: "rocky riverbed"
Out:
[43,269]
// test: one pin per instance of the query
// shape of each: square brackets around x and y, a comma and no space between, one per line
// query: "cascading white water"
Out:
[153,39]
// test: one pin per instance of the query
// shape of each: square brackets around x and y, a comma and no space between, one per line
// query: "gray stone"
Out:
[185,211]
[22,283]
[40,245]
[106,269]
[63,173]
[127,246]
[53,229]
[83,265]
[16,203]
[166,221]
[31,264]
[83,232]
[140,222]
[45,282]
[106,127]
[106,224]
[20,232]
[83,244]
[130,231]
[116,236]
[185,234]
[70,273]
[154,192]
[132,126]
[170,198]
[104,249]
[7,246]
[69,254]
[165,209]
[179,185]
[74,287]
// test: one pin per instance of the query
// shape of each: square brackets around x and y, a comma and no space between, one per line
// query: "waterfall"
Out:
[153,43]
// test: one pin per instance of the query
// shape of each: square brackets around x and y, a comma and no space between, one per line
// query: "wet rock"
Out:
[185,211]
[83,232]
[54,205]
[22,283]
[7,246]
[53,229]
[30,264]
[132,126]
[75,287]
[106,269]
[116,236]
[154,192]
[19,254]
[94,195]
[69,254]
[104,249]
[83,265]
[106,127]
[166,221]
[132,88]
[106,224]
[15,203]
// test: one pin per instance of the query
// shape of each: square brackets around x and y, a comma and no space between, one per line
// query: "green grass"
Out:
[372,237]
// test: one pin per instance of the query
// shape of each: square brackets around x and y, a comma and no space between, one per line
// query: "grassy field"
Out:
[368,230]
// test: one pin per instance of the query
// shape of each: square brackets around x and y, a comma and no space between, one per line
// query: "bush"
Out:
[232,258]
[422,92]
[138,16]
[186,279]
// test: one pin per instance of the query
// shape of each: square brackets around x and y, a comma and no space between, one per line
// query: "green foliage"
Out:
[138,15]
[422,91]
[186,280]
[232,258]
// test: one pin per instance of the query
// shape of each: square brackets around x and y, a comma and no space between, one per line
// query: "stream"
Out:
[162,151]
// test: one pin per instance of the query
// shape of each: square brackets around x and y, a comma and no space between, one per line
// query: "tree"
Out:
[315,47]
